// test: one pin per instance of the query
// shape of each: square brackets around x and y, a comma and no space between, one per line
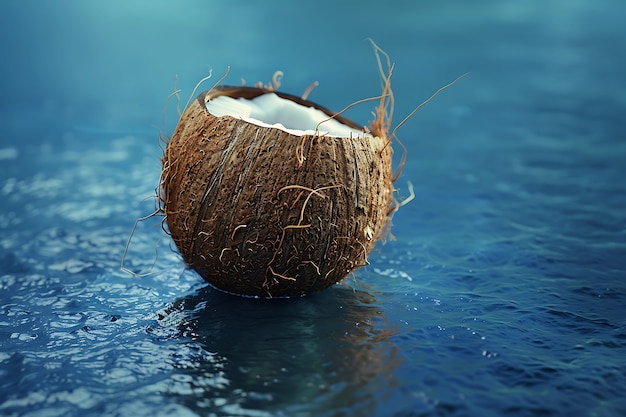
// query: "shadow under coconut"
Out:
[318,354]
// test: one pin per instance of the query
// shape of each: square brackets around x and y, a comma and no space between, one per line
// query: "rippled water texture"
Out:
[503,292]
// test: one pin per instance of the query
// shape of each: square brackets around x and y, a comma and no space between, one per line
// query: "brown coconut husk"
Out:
[259,211]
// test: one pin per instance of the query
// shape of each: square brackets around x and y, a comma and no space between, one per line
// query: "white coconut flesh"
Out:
[270,110]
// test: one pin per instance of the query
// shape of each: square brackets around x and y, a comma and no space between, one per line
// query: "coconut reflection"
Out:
[328,351]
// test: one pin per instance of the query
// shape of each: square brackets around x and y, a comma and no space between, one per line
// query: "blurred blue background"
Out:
[502,294]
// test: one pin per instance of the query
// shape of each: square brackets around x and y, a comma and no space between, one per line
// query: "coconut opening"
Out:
[270,110]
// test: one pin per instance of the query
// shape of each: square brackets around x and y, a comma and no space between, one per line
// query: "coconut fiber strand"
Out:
[262,212]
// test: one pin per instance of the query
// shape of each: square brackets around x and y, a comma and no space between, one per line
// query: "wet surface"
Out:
[502,293]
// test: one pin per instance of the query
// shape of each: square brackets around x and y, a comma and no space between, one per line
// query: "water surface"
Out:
[503,292]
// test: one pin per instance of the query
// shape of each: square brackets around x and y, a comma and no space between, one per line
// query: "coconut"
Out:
[267,194]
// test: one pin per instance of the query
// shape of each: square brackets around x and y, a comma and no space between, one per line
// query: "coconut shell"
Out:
[258,211]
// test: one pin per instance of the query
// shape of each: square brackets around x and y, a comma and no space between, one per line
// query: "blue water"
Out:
[503,292]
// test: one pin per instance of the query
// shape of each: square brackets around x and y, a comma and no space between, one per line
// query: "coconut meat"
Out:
[270,110]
